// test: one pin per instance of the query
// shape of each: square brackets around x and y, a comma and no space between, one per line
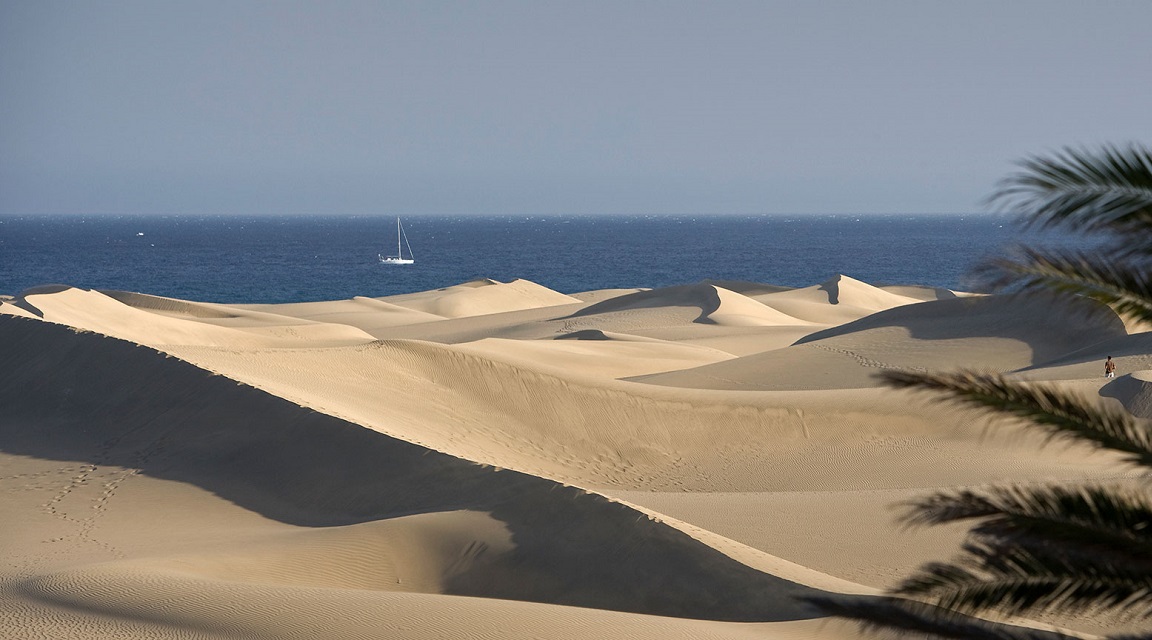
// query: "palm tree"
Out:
[1051,547]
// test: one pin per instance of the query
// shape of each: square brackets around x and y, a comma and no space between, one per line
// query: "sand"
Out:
[499,460]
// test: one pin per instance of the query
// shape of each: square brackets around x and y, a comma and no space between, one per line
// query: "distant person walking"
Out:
[1109,368]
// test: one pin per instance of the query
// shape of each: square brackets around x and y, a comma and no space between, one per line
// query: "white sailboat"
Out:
[399,257]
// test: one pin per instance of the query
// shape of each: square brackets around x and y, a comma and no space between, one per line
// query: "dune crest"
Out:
[502,460]
[306,469]
[601,357]
[1000,333]
[837,300]
[482,297]
[716,306]
[1134,391]
[372,315]
[158,321]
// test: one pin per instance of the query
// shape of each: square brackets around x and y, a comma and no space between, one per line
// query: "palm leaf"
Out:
[1010,579]
[1041,548]
[1095,522]
[1106,190]
[1116,281]
[1060,414]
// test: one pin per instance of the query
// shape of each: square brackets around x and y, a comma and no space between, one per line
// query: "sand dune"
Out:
[997,333]
[704,315]
[130,316]
[836,301]
[501,460]
[715,305]
[373,315]
[482,297]
[306,469]
[1134,391]
[603,357]
[924,293]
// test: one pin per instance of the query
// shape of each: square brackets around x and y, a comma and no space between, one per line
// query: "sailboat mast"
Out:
[398,254]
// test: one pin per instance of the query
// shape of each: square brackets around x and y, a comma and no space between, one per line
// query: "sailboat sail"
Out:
[399,257]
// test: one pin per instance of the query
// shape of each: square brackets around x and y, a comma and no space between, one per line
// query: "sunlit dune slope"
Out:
[481,297]
[134,408]
[677,462]
[153,320]
[1000,333]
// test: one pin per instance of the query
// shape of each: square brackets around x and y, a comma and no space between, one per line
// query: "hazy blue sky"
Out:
[540,107]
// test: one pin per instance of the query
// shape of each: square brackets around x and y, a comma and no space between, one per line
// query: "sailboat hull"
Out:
[395,260]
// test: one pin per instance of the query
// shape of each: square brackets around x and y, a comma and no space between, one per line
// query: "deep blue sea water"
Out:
[290,259]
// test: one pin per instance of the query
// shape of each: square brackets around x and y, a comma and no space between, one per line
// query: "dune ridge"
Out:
[308,469]
[502,460]
[482,297]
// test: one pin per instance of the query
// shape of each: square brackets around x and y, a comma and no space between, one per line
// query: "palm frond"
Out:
[1012,580]
[907,618]
[1062,415]
[1105,190]
[1099,524]
[1120,282]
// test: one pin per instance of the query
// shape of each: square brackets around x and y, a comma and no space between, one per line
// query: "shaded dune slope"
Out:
[1002,333]
[716,305]
[1132,353]
[917,292]
[842,289]
[1134,391]
[114,403]
[835,301]
[1050,327]
[745,288]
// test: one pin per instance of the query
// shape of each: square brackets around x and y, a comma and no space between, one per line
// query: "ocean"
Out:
[296,259]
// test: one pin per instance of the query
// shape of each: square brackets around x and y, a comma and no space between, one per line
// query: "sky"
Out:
[545,107]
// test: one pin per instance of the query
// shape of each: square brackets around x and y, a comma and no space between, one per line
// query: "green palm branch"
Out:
[1104,523]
